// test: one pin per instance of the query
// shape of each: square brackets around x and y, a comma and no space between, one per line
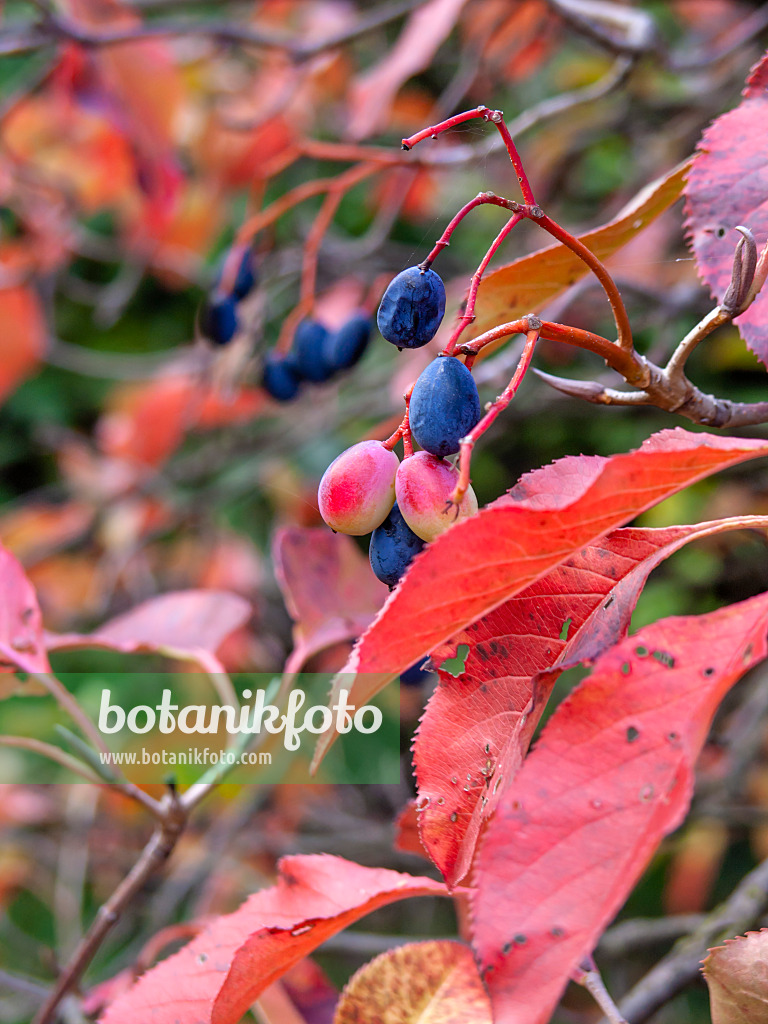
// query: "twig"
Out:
[681,966]
[587,974]
[53,29]
[155,853]
[67,702]
[627,936]
[53,753]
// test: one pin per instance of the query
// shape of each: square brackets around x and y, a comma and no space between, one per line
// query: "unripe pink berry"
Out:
[357,490]
[423,485]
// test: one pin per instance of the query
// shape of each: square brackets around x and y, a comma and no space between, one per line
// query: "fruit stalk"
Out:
[468,443]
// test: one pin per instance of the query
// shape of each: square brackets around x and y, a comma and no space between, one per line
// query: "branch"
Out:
[681,966]
[54,29]
[154,855]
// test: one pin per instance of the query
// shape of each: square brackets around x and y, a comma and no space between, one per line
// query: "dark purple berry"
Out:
[218,318]
[444,406]
[280,378]
[309,348]
[245,281]
[412,308]
[346,347]
[417,674]
[393,545]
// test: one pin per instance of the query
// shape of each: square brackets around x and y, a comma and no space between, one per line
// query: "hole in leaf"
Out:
[455,666]
[564,630]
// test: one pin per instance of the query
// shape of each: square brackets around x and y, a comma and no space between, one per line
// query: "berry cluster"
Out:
[218,320]
[316,356]
[404,505]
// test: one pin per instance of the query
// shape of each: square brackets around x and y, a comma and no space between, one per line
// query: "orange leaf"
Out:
[418,983]
[24,338]
[527,284]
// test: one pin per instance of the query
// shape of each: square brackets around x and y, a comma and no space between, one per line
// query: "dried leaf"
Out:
[419,983]
[737,975]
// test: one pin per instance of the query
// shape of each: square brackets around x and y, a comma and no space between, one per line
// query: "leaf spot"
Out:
[646,793]
[520,940]
[665,658]
[301,930]
[557,932]
[708,672]
[454,817]
[632,734]
[422,803]
[642,652]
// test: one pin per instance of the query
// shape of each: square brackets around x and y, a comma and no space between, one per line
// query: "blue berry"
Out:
[417,674]
[280,377]
[393,545]
[245,281]
[346,347]
[444,406]
[309,348]
[218,318]
[412,308]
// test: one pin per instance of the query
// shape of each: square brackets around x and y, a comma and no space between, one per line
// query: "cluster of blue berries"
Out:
[217,319]
[444,407]
[316,356]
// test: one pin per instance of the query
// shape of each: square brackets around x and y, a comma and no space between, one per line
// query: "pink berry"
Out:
[423,486]
[357,490]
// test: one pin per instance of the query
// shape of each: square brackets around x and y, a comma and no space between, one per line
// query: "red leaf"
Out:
[21,625]
[221,972]
[476,729]
[728,185]
[24,337]
[184,624]
[611,775]
[480,563]
[329,589]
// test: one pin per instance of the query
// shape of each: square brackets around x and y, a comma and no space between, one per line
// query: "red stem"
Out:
[466,318]
[468,442]
[495,117]
[623,329]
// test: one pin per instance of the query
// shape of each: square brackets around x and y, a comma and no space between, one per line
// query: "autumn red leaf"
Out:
[188,624]
[611,775]
[737,976]
[727,186]
[21,624]
[24,338]
[224,969]
[476,728]
[418,983]
[526,284]
[329,589]
[481,562]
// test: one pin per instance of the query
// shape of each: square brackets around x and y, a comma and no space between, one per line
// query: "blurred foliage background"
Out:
[138,458]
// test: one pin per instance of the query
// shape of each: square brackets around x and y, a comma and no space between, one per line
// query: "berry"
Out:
[393,545]
[358,488]
[444,406]
[245,281]
[412,308]
[423,487]
[345,348]
[218,318]
[417,674]
[280,377]
[309,346]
